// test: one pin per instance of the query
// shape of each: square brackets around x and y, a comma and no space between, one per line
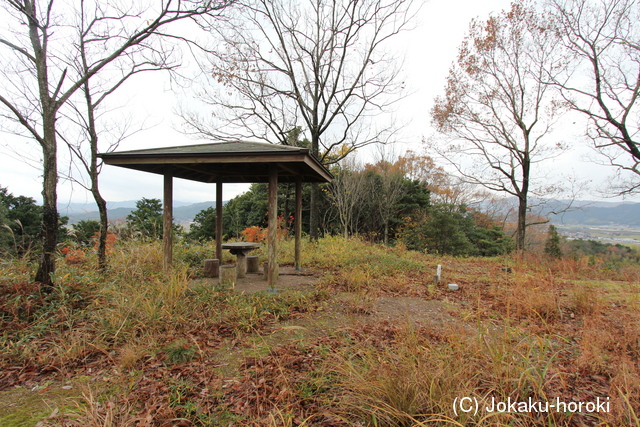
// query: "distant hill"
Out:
[116,213]
[187,213]
[585,212]
[183,212]
[623,214]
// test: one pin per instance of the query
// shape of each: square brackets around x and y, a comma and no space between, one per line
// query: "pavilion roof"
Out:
[228,162]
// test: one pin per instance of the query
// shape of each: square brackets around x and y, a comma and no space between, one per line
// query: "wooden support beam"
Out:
[167,223]
[219,219]
[288,169]
[272,275]
[298,224]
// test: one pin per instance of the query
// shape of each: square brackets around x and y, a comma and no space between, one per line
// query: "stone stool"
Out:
[211,267]
[228,274]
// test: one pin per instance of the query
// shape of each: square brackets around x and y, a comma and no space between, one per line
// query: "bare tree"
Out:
[86,108]
[391,189]
[86,147]
[603,36]
[40,73]
[497,110]
[319,65]
[347,193]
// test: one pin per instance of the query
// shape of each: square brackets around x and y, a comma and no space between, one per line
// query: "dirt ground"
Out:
[289,280]
[348,309]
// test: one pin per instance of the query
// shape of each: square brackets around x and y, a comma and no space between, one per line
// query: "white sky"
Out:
[430,49]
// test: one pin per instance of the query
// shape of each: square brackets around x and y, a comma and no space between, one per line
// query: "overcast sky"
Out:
[430,49]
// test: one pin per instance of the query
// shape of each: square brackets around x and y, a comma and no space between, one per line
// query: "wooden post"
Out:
[219,219]
[167,223]
[228,275]
[298,224]
[211,268]
[272,279]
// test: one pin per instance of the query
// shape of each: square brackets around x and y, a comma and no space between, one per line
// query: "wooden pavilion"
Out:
[228,162]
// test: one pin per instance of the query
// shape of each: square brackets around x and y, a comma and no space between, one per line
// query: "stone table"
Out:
[241,250]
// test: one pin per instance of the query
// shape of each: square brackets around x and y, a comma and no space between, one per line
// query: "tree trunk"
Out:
[386,232]
[49,208]
[522,197]
[315,194]
[94,173]
[522,224]
[104,226]
[49,146]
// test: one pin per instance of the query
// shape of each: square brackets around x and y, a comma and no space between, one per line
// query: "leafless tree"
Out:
[87,111]
[347,192]
[84,144]
[391,188]
[319,65]
[40,71]
[603,36]
[497,111]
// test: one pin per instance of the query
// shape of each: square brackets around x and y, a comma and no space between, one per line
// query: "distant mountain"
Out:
[549,205]
[183,212]
[582,212]
[622,214]
[585,212]
[116,213]
[78,208]
[187,213]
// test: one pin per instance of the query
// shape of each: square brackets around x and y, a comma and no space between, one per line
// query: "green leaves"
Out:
[447,229]
[146,219]
[20,219]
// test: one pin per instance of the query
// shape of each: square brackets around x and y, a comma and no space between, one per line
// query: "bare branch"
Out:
[316,64]
[602,37]
[71,44]
[496,109]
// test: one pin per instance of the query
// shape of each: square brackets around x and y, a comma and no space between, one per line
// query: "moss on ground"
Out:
[22,407]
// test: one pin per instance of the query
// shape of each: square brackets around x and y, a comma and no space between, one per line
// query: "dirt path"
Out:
[289,280]
[348,309]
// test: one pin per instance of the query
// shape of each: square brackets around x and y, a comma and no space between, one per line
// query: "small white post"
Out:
[438,277]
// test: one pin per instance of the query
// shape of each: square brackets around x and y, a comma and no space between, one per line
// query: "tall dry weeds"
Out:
[415,381]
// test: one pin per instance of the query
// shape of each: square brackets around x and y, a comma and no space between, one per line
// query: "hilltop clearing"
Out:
[362,336]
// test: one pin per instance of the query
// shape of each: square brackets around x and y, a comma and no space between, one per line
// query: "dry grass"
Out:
[533,296]
[159,349]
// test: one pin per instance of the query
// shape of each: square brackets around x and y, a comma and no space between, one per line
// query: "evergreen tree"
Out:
[490,241]
[552,245]
[21,223]
[204,225]
[448,229]
[84,232]
[146,219]
[250,209]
